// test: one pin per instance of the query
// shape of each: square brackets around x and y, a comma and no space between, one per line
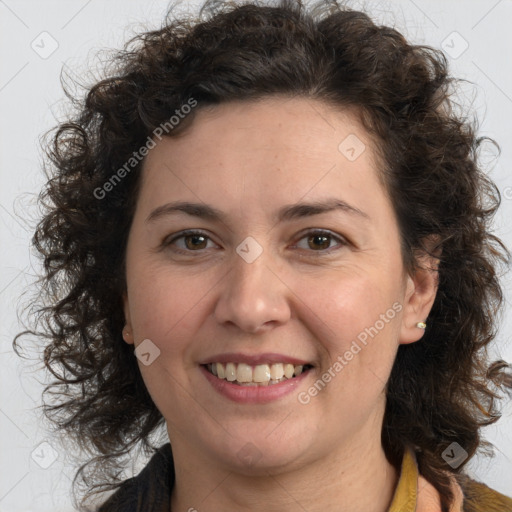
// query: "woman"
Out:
[269,232]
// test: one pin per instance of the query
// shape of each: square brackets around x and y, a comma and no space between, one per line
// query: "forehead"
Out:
[278,123]
[282,128]
[275,150]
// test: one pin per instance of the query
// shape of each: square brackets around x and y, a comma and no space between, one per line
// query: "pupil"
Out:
[195,238]
[317,237]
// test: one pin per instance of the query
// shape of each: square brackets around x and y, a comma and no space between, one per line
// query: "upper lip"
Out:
[254,359]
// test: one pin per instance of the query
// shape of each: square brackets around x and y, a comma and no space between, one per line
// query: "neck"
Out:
[357,478]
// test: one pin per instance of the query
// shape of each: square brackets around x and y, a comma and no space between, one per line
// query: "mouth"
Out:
[260,375]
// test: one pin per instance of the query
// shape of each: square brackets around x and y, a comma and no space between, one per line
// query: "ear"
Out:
[127,329]
[420,291]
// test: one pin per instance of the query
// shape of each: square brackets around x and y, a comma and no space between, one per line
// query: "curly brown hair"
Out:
[442,389]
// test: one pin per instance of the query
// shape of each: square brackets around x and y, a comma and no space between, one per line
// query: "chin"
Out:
[260,450]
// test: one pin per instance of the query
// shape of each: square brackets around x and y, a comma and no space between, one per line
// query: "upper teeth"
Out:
[259,374]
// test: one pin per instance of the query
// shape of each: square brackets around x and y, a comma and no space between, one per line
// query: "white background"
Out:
[31,100]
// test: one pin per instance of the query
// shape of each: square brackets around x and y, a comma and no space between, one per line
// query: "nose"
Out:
[253,296]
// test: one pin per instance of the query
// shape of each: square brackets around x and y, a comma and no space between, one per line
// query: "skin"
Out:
[249,160]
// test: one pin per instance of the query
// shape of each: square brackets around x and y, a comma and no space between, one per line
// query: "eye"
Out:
[193,241]
[319,240]
[196,241]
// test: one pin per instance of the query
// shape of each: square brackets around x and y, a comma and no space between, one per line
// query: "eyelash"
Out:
[313,232]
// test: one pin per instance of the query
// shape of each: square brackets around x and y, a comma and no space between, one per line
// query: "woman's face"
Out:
[260,285]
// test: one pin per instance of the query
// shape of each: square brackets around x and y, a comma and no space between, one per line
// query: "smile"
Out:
[259,375]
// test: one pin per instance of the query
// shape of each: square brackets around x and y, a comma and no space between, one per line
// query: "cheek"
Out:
[165,308]
[355,317]
[346,303]
[164,304]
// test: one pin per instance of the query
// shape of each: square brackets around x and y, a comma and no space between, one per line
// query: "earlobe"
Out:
[127,335]
[421,291]
[418,304]
[127,329]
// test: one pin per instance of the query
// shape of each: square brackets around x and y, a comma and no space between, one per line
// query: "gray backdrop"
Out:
[39,37]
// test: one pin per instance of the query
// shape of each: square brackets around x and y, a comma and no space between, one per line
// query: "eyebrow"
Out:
[286,213]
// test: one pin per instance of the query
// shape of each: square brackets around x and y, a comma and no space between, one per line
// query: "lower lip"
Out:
[253,394]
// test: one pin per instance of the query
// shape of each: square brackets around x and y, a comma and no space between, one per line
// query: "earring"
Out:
[126,334]
[421,325]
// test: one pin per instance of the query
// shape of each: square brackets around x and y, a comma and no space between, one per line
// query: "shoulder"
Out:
[480,498]
[149,491]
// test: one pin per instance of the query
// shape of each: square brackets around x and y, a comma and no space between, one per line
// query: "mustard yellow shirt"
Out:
[415,494]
